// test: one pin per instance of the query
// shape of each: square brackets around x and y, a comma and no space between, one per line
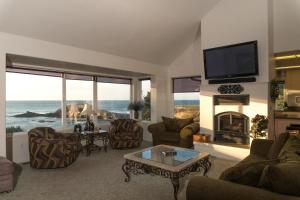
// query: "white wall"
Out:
[2,104]
[286,25]
[258,104]
[235,21]
[19,45]
[189,63]
[37,48]
[230,22]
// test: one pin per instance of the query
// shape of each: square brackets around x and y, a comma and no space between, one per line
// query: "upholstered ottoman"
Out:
[6,175]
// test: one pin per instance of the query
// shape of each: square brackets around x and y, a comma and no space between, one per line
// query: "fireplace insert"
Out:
[232,127]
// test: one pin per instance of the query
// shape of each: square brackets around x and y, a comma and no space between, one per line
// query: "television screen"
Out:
[231,61]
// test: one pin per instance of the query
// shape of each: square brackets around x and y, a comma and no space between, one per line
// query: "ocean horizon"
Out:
[16,107]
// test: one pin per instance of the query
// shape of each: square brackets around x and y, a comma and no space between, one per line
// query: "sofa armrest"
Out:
[138,131]
[189,130]
[71,137]
[157,128]
[43,145]
[205,188]
[261,147]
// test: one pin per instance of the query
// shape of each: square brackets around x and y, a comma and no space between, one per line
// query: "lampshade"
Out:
[74,111]
[88,110]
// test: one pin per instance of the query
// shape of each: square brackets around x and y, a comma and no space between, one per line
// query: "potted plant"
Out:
[259,126]
[136,106]
[274,90]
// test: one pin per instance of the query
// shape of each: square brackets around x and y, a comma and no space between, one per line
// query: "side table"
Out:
[202,138]
[91,137]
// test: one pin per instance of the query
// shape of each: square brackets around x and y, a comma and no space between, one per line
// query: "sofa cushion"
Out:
[6,166]
[282,178]
[170,137]
[171,124]
[184,122]
[277,145]
[246,173]
[252,158]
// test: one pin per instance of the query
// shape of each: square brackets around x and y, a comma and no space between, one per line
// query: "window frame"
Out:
[198,79]
[67,75]
[33,72]
[141,97]
[186,77]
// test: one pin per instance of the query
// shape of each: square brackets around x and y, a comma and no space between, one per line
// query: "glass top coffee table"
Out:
[166,161]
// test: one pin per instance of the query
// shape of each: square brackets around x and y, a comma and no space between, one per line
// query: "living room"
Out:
[124,52]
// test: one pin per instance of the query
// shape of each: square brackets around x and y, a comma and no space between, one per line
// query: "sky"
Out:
[33,87]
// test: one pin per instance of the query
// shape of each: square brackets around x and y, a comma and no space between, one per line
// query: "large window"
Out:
[186,97]
[113,98]
[33,98]
[79,91]
[146,98]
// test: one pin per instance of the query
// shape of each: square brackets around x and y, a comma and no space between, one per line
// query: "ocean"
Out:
[42,107]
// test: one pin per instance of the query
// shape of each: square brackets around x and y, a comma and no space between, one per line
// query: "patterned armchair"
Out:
[125,133]
[49,149]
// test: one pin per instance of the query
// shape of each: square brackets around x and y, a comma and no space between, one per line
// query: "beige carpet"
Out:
[98,177]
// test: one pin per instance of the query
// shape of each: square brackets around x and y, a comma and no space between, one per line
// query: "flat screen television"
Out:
[231,61]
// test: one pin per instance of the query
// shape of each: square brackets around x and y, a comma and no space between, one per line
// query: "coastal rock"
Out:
[29,114]
[103,114]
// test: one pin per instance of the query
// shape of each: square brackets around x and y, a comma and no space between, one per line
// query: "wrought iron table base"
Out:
[136,168]
[91,146]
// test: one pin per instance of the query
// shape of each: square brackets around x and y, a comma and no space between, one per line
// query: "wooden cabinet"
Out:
[282,123]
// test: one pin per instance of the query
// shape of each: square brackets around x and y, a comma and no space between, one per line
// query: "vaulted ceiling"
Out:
[154,31]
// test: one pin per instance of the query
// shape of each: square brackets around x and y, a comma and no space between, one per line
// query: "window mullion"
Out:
[64,103]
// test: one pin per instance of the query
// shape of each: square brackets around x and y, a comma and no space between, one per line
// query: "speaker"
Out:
[232,80]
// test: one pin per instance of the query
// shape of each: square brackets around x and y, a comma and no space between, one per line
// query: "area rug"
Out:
[98,177]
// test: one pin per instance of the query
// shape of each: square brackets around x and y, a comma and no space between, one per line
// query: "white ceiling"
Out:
[154,31]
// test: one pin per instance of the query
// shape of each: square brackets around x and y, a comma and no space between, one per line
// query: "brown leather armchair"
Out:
[49,149]
[125,133]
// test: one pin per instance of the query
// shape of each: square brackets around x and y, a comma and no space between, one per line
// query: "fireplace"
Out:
[232,127]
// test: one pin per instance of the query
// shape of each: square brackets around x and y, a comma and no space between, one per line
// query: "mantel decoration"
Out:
[259,126]
[136,106]
[231,89]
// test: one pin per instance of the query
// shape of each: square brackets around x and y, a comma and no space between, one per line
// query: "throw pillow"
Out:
[277,145]
[288,151]
[170,124]
[282,178]
[246,173]
[184,122]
